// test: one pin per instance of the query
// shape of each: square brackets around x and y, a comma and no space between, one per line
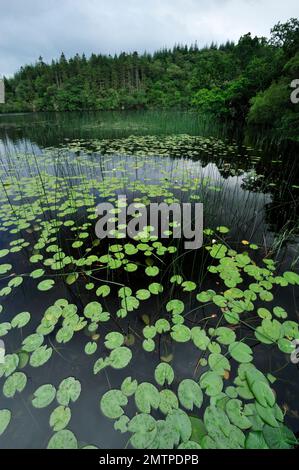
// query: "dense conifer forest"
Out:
[248,80]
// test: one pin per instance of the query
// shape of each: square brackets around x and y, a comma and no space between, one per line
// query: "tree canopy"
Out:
[249,80]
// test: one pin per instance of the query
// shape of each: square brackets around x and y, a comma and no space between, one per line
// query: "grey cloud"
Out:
[30,28]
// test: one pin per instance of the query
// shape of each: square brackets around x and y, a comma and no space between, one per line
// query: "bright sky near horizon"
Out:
[33,28]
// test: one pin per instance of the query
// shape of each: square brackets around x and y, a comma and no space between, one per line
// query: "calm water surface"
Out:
[256,196]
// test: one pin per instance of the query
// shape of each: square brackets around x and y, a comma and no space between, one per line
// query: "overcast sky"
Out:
[33,28]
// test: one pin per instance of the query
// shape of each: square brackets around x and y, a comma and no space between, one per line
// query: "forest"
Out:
[245,81]
[149,230]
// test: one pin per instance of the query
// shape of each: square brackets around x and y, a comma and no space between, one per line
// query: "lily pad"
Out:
[190,394]
[64,439]
[112,404]
[5,417]
[43,396]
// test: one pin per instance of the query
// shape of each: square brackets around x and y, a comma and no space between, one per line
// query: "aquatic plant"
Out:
[121,301]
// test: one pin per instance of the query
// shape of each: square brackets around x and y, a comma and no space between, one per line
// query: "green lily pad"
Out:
[241,352]
[64,439]
[5,417]
[68,390]
[112,403]
[190,394]
[14,383]
[164,374]
[147,397]
[120,357]
[43,396]
[60,418]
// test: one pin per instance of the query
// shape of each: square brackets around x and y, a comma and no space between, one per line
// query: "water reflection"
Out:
[251,190]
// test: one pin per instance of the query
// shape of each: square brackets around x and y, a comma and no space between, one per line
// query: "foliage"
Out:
[219,80]
[120,316]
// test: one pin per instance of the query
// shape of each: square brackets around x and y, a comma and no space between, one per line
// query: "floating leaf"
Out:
[93,311]
[235,413]
[43,396]
[222,229]
[264,313]
[100,364]
[180,422]
[147,397]
[112,403]
[175,306]
[189,286]
[205,296]
[143,294]
[219,363]
[259,387]
[168,401]
[280,312]
[32,342]
[216,422]
[225,335]
[15,282]
[240,352]
[14,383]
[291,277]
[212,382]
[5,268]
[218,251]
[162,326]
[60,418]
[46,285]
[122,424]
[164,374]
[130,303]
[120,357]
[220,301]
[71,278]
[199,338]
[37,273]
[266,296]
[129,386]
[286,346]
[152,271]
[11,362]
[155,288]
[5,417]
[90,347]
[68,390]
[148,345]
[180,333]
[4,328]
[190,394]
[20,320]
[267,415]
[103,291]
[189,445]
[40,356]
[64,439]
[149,332]
[114,340]
[255,440]
[279,438]
[176,279]
[144,429]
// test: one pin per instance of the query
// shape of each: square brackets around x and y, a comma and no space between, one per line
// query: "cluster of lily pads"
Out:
[47,220]
[240,413]
[180,145]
